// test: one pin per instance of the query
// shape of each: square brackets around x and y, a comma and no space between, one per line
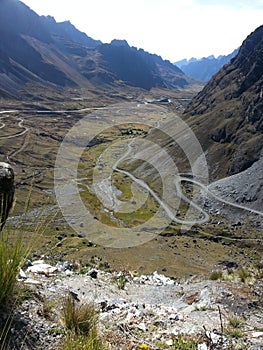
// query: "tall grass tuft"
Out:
[81,342]
[12,255]
[80,321]
[79,318]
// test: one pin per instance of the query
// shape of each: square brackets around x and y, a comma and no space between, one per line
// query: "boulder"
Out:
[7,191]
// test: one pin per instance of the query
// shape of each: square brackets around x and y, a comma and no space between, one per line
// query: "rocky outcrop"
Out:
[152,310]
[7,191]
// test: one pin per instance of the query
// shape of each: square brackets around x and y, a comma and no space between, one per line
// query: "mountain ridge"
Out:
[230,106]
[37,48]
[204,68]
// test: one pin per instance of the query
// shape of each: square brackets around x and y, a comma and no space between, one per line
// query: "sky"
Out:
[173,29]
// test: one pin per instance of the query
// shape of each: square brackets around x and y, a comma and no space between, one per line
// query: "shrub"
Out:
[121,281]
[81,342]
[235,322]
[79,318]
[80,322]
[243,275]
[216,275]
[234,333]
[47,307]
[233,329]
[182,343]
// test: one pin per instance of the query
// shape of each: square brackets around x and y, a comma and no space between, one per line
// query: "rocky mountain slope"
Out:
[142,311]
[38,49]
[227,113]
[204,68]
[227,119]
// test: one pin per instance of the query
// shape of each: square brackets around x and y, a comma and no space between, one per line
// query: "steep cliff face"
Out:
[227,115]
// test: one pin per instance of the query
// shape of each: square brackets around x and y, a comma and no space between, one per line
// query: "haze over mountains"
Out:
[204,68]
[36,48]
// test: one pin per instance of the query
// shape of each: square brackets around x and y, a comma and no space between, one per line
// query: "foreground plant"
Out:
[12,256]
[80,321]
[121,281]
[184,343]
[82,342]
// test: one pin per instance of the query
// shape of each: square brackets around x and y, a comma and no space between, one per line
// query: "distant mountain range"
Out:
[204,68]
[36,48]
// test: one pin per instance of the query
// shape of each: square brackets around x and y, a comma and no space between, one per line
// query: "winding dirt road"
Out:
[141,183]
[210,193]
[20,122]
[177,183]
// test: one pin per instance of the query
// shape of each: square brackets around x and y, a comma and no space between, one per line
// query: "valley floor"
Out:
[212,295]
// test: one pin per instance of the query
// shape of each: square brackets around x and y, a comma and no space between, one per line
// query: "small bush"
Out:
[55,330]
[234,333]
[216,275]
[81,342]
[183,343]
[80,322]
[47,307]
[233,329]
[121,281]
[243,275]
[235,322]
[79,318]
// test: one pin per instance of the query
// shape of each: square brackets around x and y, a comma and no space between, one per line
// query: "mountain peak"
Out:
[204,68]
[118,42]
[37,48]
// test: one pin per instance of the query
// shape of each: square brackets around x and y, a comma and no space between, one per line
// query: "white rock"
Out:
[257,334]
[170,282]
[129,317]
[180,317]
[215,337]
[142,326]
[32,281]
[37,262]
[44,269]
[137,314]
[202,346]
[22,274]
[169,342]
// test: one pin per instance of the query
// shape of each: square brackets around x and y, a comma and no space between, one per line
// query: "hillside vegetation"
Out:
[227,114]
